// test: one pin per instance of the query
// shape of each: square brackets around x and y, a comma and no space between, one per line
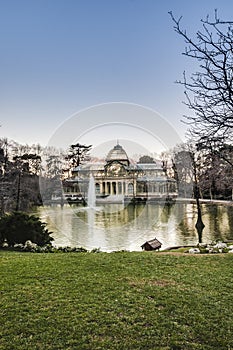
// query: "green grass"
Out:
[115,301]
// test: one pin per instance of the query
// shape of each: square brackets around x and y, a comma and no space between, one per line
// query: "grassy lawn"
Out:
[116,301]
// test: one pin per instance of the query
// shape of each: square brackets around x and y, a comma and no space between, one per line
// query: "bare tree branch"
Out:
[209,91]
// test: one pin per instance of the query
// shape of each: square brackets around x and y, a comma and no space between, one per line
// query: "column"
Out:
[101,186]
[126,187]
[134,187]
[111,188]
[117,188]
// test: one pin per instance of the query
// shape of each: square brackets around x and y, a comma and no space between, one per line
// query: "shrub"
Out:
[19,227]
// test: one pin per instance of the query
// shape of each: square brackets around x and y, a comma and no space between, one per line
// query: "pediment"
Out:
[115,168]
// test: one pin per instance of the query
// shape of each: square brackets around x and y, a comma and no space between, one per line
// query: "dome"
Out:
[117,153]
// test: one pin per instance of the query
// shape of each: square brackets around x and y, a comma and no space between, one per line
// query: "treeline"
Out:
[21,167]
[31,173]
[201,171]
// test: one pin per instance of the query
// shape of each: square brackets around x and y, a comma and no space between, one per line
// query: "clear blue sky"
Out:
[60,56]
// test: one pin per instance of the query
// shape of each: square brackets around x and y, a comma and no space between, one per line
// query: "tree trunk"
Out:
[18,193]
[199,224]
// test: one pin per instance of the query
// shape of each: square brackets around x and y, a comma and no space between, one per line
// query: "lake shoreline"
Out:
[204,201]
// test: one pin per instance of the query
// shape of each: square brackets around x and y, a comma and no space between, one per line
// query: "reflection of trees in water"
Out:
[185,219]
[199,229]
[214,210]
[184,228]
[166,212]
[180,217]
[219,219]
[214,217]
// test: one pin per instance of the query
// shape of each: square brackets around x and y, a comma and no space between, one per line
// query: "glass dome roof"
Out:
[117,153]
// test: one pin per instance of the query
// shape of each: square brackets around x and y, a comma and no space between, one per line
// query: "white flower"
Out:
[30,245]
[220,245]
[194,251]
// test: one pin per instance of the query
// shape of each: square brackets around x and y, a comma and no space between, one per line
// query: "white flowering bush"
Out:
[212,248]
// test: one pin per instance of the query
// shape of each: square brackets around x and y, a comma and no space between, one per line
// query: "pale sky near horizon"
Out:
[62,56]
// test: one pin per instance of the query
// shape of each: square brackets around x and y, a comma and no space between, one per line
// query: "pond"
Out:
[112,227]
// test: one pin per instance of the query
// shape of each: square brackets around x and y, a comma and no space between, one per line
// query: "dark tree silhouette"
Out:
[19,227]
[146,160]
[77,154]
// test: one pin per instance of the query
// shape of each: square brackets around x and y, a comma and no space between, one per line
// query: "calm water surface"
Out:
[116,227]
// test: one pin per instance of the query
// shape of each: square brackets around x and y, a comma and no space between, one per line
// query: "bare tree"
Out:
[188,164]
[217,170]
[183,170]
[209,91]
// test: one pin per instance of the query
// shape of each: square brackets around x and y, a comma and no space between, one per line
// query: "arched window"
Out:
[119,187]
[161,188]
[76,188]
[130,188]
[97,188]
